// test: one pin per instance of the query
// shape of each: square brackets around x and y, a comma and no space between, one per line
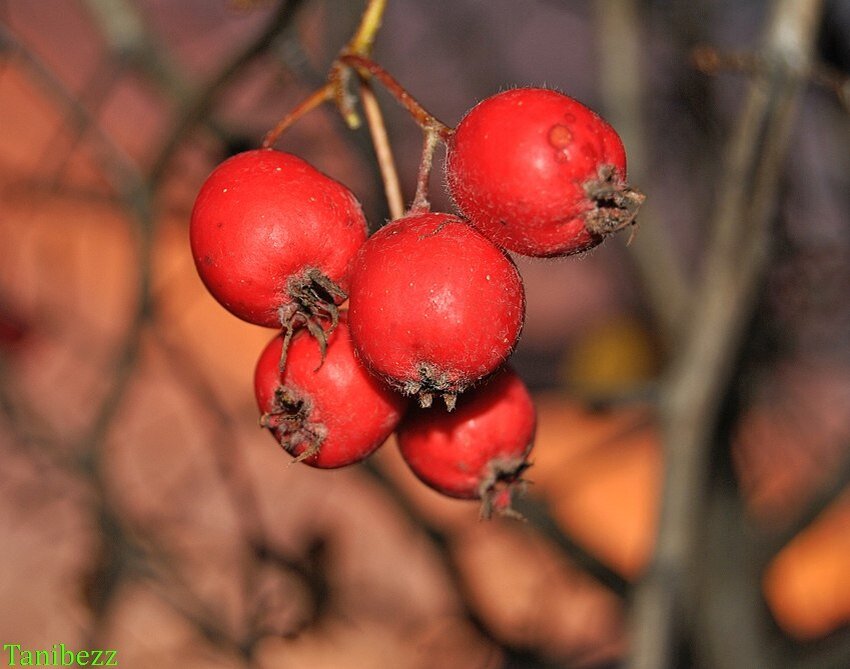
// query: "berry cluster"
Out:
[435,304]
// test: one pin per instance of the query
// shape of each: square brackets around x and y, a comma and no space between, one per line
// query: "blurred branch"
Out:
[229,460]
[119,556]
[73,130]
[31,430]
[235,476]
[130,45]
[733,626]
[830,490]
[125,178]
[130,41]
[205,619]
[199,104]
[703,367]
[711,61]
[210,621]
[830,652]
[114,551]
[119,168]
[622,81]
[443,544]
[538,517]
[539,520]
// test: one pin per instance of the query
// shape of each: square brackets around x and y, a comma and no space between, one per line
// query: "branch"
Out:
[235,476]
[229,460]
[703,368]
[197,107]
[442,543]
[130,41]
[827,653]
[538,516]
[837,483]
[734,627]
[383,150]
[711,61]
[126,179]
[622,82]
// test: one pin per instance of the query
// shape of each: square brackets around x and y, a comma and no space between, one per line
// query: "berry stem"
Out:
[370,22]
[421,203]
[309,103]
[383,149]
[355,57]
[367,67]
[336,87]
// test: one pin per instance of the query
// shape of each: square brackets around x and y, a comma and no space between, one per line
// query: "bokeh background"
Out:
[143,509]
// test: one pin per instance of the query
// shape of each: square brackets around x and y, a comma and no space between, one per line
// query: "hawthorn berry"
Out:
[540,174]
[434,306]
[478,451]
[328,414]
[273,239]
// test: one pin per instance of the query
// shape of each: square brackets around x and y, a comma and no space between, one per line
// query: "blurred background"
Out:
[143,509]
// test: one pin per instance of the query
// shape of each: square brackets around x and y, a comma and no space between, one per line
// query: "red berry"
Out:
[273,238]
[327,414]
[479,450]
[434,306]
[539,173]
